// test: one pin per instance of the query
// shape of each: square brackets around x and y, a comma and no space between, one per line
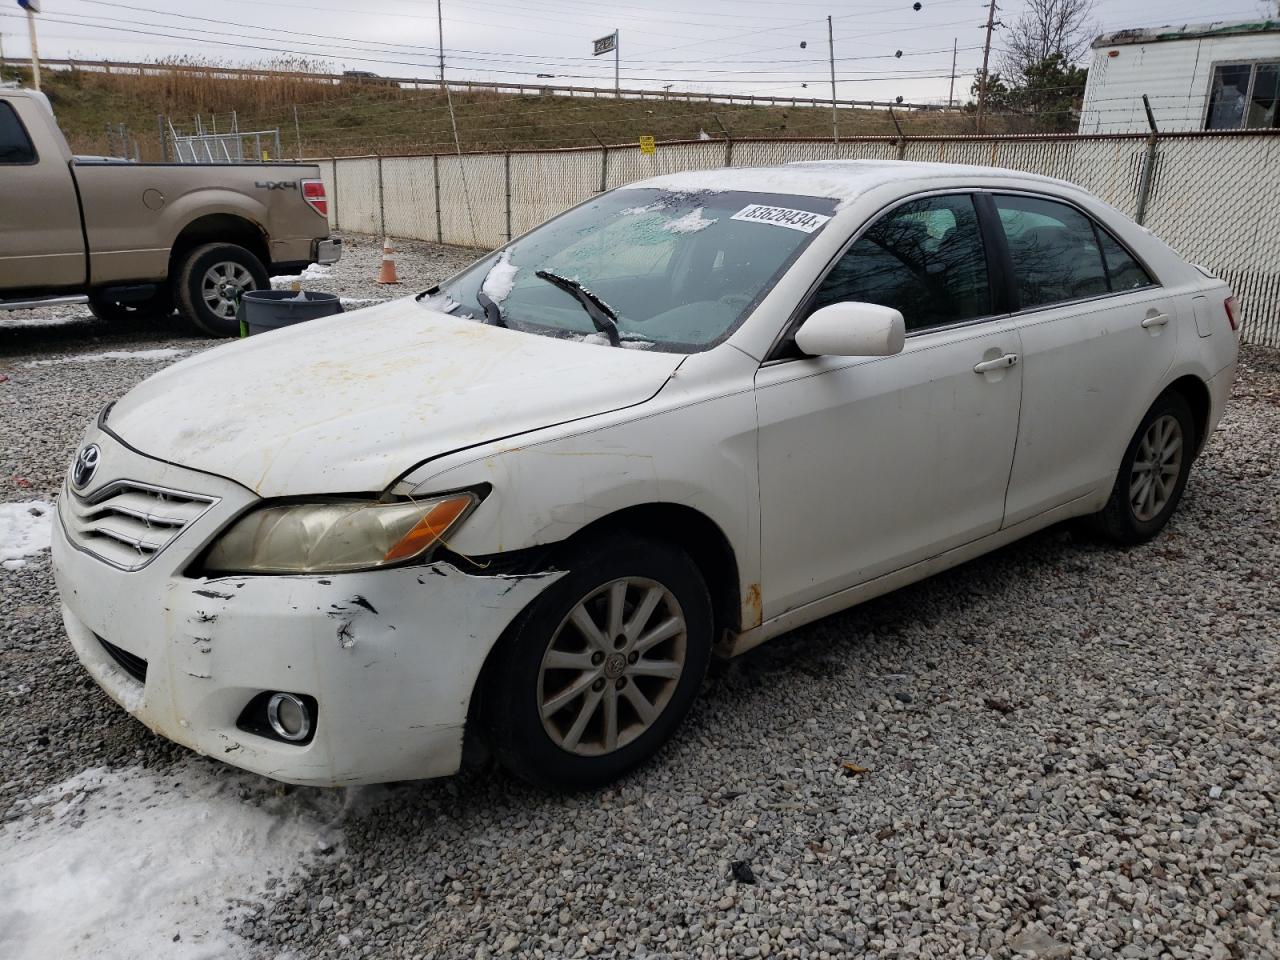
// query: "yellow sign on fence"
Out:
[647,145]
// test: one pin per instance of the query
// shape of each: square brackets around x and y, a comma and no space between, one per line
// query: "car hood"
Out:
[349,403]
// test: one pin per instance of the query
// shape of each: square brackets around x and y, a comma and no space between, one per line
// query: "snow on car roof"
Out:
[842,180]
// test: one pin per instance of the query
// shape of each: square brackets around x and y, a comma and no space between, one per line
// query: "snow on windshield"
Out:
[498,284]
[691,222]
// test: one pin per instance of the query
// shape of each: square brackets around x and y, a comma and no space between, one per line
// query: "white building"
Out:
[1211,76]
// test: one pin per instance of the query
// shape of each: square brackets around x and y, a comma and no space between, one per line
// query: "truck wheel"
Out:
[209,283]
[115,311]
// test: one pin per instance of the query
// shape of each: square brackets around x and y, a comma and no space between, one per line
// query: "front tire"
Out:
[210,282]
[599,671]
[1153,473]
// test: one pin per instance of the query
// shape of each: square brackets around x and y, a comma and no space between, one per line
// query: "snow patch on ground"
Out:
[167,353]
[502,277]
[24,531]
[691,222]
[314,272]
[14,319]
[131,863]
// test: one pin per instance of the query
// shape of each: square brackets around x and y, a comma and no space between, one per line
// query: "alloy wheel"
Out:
[222,286]
[612,666]
[1156,467]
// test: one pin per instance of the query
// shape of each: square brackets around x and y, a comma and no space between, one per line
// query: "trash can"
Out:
[271,309]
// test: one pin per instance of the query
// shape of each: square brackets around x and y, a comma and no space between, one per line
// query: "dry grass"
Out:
[355,117]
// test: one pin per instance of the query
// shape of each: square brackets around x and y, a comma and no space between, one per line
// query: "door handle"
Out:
[999,363]
[1156,320]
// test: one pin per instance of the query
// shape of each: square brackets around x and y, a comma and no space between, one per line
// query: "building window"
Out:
[1242,96]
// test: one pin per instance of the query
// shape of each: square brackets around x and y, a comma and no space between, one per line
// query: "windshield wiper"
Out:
[492,312]
[602,316]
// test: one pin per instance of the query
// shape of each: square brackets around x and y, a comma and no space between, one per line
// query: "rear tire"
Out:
[1153,474]
[209,283]
[568,708]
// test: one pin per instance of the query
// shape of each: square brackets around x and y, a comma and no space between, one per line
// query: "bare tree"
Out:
[1047,28]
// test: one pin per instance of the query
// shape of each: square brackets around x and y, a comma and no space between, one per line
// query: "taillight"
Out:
[313,192]
[1233,311]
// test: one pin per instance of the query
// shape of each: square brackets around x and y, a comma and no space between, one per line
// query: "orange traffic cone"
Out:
[388,272]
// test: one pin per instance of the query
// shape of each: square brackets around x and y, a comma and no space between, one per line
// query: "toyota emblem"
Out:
[86,465]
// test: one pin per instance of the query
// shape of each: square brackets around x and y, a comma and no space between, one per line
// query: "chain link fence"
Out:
[1215,198]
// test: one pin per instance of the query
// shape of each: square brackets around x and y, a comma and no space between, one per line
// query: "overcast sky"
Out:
[748,46]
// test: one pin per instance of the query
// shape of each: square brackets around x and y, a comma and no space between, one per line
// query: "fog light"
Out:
[288,716]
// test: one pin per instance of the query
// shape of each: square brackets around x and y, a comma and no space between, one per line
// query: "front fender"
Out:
[693,445]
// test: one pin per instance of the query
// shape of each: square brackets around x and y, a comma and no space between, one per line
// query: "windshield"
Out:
[679,271]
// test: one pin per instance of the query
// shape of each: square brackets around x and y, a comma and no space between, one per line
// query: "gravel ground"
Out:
[1068,750]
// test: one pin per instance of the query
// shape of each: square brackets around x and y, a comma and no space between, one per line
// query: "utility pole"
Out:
[951,97]
[440,34]
[986,57]
[31,6]
[831,55]
[617,80]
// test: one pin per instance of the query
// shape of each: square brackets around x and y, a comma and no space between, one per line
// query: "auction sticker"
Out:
[801,220]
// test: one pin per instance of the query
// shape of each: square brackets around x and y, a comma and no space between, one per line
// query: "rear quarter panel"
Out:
[134,213]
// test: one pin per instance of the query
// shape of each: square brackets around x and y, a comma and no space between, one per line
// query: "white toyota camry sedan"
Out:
[524,508]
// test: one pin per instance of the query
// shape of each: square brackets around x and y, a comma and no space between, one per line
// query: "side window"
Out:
[15,145]
[1123,271]
[1227,92]
[925,259]
[1054,250]
[1265,98]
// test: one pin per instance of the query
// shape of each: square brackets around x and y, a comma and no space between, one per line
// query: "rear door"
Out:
[1098,337]
[870,464]
[41,241]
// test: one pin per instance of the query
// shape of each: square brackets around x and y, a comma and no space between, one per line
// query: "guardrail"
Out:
[470,86]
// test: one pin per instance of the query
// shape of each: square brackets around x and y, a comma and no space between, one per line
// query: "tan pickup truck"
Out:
[145,238]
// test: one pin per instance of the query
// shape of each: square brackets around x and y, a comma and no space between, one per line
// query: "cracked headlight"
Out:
[336,536]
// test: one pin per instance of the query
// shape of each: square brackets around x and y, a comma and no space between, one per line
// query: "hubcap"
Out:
[612,666]
[223,285]
[1155,468]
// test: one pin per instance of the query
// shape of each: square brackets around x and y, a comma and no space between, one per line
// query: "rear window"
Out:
[15,145]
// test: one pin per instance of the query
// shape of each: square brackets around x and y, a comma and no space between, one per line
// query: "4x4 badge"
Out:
[86,465]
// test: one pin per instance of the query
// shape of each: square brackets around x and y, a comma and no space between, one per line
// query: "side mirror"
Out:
[852,330]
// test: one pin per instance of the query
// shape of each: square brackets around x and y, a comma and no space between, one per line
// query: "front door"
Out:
[868,465]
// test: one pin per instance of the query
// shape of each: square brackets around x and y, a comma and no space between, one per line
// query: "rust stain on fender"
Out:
[751,611]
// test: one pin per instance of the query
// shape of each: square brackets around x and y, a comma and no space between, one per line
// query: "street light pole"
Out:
[617,79]
[831,55]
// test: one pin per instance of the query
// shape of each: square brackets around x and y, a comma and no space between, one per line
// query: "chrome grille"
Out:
[126,524]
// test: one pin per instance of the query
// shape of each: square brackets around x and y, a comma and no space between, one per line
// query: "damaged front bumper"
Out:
[391,656]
